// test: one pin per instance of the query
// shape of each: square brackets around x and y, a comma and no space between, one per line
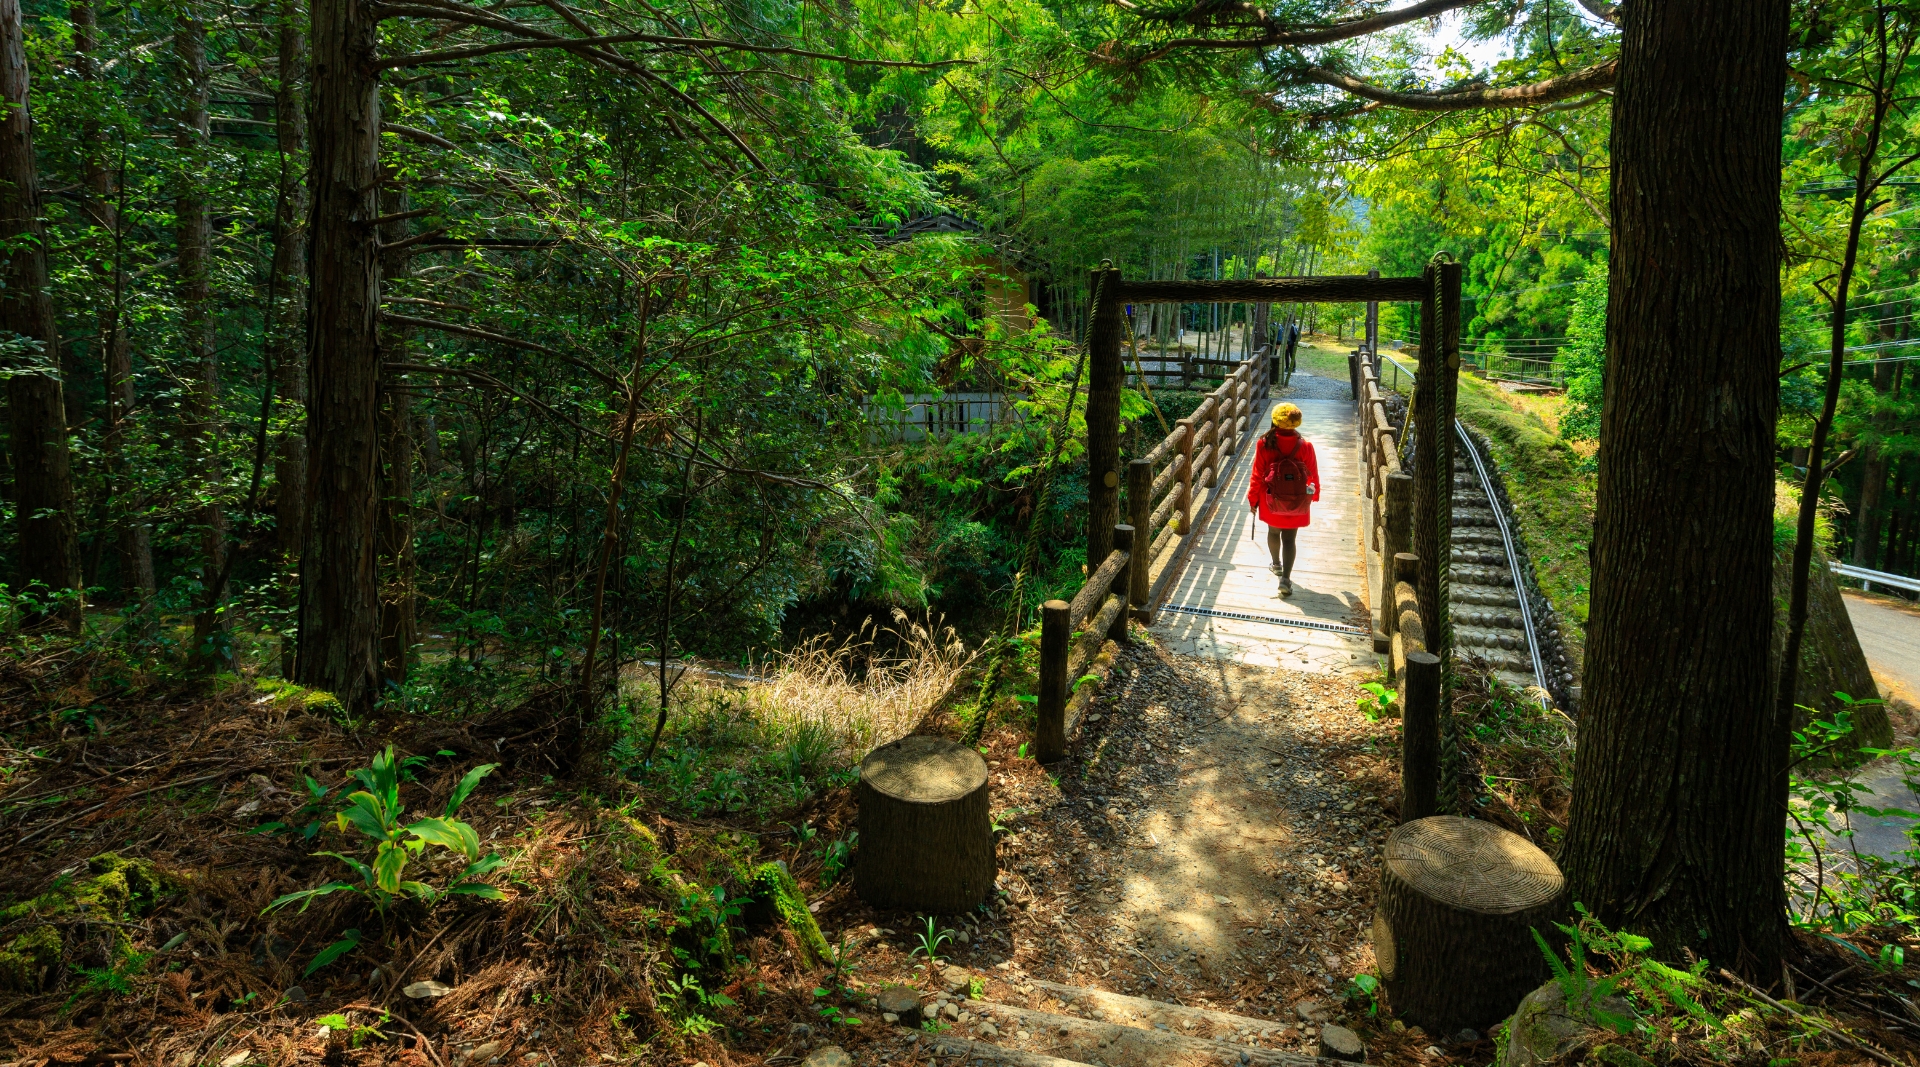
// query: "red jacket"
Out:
[1265,454]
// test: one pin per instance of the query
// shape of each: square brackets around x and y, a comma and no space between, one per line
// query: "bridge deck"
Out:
[1321,627]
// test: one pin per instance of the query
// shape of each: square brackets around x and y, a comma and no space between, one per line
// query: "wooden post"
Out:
[1123,541]
[1140,517]
[1420,737]
[1353,378]
[1432,464]
[1187,433]
[1373,324]
[1393,534]
[1050,734]
[1440,636]
[1105,374]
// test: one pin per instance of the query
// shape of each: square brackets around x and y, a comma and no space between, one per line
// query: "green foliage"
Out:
[357,1035]
[111,889]
[1585,357]
[1377,700]
[1833,885]
[930,941]
[836,856]
[374,811]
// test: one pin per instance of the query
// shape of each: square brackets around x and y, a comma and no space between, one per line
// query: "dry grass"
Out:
[853,692]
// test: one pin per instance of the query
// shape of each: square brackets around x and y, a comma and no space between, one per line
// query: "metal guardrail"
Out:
[1868,577]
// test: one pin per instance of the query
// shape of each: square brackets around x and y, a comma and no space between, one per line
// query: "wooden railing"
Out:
[1079,638]
[1141,557]
[1389,496]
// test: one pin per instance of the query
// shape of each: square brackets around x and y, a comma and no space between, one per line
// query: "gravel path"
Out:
[1209,842]
[1306,386]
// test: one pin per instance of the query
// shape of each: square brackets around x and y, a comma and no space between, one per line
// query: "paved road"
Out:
[1891,637]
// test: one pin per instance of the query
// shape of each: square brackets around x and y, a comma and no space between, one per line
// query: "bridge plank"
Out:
[1228,571]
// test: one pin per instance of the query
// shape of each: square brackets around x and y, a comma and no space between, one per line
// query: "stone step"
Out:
[1139,1011]
[1488,618]
[1473,517]
[1473,574]
[1467,593]
[1077,1040]
[1520,663]
[1476,639]
[1484,556]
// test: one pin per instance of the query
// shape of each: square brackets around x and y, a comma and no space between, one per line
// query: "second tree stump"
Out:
[1453,932]
[926,837]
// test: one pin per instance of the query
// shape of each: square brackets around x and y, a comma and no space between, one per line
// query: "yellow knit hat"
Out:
[1286,417]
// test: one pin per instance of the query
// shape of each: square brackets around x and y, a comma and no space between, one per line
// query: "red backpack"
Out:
[1287,479]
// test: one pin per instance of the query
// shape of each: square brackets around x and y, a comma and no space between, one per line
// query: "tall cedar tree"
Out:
[37,425]
[1680,783]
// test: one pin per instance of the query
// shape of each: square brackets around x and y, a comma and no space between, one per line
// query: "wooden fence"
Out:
[1078,638]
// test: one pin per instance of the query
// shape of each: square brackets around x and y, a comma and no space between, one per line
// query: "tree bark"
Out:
[193,239]
[1679,787]
[48,550]
[102,208]
[926,837]
[1105,374]
[339,587]
[289,281]
[398,633]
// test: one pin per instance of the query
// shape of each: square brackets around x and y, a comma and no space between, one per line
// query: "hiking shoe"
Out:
[1286,586]
[1275,568]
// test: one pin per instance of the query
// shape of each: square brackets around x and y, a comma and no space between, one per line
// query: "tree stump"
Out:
[1452,933]
[926,838]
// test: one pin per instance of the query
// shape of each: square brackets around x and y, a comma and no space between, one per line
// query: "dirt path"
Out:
[1208,843]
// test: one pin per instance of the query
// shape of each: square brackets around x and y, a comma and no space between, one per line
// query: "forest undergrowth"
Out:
[182,889]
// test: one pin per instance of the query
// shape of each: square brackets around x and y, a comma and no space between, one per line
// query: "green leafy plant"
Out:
[976,987]
[1378,702]
[356,1035]
[375,810]
[1023,750]
[117,977]
[1000,821]
[1653,984]
[1853,890]
[835,857]
[931,940]
[1364,989]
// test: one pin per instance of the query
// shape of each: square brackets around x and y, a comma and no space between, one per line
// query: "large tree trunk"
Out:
[339,587]
[49,550]
[103,211]
[1679,788]
[193,237]
[290,281]
[397,631]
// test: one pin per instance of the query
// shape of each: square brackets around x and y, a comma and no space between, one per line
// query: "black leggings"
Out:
[1280,543]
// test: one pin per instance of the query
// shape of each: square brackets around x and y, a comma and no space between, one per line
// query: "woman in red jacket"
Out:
[1286,481]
